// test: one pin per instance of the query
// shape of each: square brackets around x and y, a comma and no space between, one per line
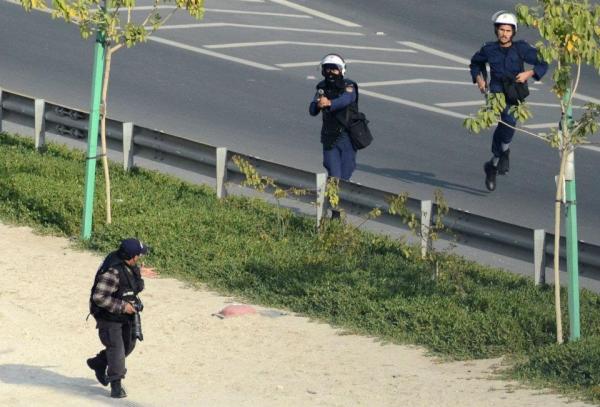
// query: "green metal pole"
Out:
[90,165]
[571,226]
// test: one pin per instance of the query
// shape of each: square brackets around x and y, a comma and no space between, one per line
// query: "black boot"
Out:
[490,175]
[335,214]
[116,390]
[99,368]
[504,163]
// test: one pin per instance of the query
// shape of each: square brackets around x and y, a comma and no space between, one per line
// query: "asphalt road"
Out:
[243,77]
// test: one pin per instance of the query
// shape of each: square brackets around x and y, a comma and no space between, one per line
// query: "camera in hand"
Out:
[137,320]
[137,305]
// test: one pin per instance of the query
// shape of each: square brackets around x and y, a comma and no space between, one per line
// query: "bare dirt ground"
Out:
[191,358]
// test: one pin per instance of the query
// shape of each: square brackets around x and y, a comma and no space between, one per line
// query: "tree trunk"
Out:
[557,204]
[103,135]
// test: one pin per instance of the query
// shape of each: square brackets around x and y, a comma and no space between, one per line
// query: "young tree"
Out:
[113,21]
[570,38]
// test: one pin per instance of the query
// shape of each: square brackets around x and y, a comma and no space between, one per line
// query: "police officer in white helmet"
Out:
[336,99]
[506,58]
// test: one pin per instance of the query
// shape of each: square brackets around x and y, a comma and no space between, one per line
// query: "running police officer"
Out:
[336,98]
[505,58]
[114,303]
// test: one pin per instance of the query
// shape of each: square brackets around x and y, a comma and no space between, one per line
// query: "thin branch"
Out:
[562,103]
[115,48]
[169,16]
[150,13]
[576,81]
[524,131]
[164,20]
[116,13]
[576,129]
[562,112]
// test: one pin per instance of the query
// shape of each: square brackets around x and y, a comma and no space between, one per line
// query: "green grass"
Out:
[358,281]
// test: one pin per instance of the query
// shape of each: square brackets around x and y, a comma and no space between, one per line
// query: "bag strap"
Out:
[355,85]
[356,90]
[133,284]
[520,58]
[347,115]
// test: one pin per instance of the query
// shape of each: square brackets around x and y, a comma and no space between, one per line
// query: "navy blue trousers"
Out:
[340,160]
[503,133]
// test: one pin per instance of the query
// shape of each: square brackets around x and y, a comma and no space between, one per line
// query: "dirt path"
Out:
[191,358]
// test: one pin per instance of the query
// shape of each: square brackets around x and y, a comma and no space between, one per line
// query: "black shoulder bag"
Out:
[515,92]
[359,132]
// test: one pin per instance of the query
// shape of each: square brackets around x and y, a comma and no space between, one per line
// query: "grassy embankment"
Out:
[362,282]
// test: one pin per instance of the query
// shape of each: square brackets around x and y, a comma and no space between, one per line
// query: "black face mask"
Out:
[331,77]
[334,81]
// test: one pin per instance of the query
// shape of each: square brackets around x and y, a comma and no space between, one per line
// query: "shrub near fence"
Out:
[503,238]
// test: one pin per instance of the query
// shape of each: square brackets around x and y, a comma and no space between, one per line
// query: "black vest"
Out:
[130,284]
[334,123]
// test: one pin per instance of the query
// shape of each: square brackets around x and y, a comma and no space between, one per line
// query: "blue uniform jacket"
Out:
[507,64]
[345,99]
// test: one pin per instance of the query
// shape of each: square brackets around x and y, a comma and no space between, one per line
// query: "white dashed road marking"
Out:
[225,11]
[316,13]
[585,98]
[413,104]
[435,52]
[360,61]
[256,13]
[212,53]
[479,102]
[461,104]
[308,44]
[593,148]
[258,27]
[412,81]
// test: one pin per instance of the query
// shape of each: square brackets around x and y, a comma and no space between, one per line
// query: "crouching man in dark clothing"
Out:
[114,304]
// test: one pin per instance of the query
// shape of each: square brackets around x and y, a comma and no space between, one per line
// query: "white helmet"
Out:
[334,59]
[504,17]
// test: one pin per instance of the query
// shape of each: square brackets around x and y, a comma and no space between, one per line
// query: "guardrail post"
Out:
[221,172]
[539,256]
[40,124]
[321,184]
[128,146]
[426,207]
[1,109]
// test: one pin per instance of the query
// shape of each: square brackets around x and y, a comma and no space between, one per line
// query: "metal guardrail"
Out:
[134,141]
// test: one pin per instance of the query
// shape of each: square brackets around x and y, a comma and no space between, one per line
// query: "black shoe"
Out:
[504,163]
[116,390]
[336,214]
[99,369]
[490,175]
